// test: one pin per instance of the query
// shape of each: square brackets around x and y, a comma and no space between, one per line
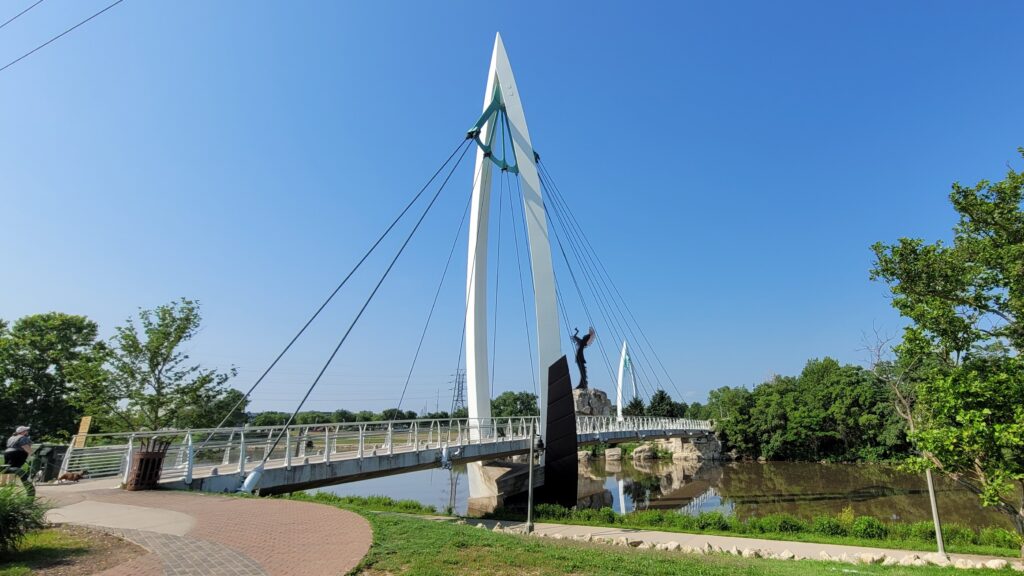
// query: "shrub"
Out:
[19,514]
[999,537]
[782,523]
[957,534]
[846,517]
[828,526]
[868,527]
[712,521]
[923,531]
[551,511]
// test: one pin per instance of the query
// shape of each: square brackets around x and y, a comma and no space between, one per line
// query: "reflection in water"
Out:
[746,489]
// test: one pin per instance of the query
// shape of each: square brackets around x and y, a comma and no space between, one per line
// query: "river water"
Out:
[745,489]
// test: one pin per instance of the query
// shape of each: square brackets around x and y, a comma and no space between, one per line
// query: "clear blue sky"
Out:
[732,163]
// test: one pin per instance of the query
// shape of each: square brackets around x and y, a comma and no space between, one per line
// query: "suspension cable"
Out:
[605,307]
[522,287]
[433,304]
[612,284]
[365,305]
[338,288]
[497,278]
[579,292]
[558,220]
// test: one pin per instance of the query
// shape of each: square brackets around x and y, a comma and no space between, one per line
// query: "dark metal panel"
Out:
[560,466]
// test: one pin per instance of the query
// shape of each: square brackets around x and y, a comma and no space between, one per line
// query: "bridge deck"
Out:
[318,455]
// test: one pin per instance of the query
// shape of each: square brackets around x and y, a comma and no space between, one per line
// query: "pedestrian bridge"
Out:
[314,455]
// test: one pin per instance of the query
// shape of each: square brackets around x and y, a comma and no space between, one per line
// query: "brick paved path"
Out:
[237,536]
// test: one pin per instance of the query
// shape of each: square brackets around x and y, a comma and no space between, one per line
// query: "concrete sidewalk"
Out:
[189,533]
[706,543]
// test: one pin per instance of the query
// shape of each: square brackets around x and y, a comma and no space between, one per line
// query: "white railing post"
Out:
[241,453]
[362,438]
[128,458]
[67,454]
[327,444]
[227,450]
[191,459]
[391,429]
[416,436]
[288,448]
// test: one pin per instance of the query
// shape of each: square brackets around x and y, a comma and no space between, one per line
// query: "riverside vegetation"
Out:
[405,544]
[843,528]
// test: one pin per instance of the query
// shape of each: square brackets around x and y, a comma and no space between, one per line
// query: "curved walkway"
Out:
[195,533]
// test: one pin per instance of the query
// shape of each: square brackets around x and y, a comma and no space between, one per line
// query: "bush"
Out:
[868,527]
[957,534]
[778,523]
[923,531]
[19,514]
[829,526]
[846,517]
[712,521]
[999,537]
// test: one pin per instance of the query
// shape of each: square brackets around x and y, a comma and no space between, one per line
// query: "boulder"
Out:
[583,456]
[869,558]
[750,553]
[825,556]
[613,454]
[963,564]
[785,555]
[997,564]
[890,561]
[643,452]
[940,560]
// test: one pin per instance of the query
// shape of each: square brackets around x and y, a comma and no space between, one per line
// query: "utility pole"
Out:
[459,391]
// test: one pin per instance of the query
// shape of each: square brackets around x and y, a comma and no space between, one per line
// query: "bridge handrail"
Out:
[236,448]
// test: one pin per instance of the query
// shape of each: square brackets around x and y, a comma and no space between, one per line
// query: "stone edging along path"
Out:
[746,547]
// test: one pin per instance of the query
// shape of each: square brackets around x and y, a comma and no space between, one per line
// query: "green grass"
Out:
[409,545]
[365,503]
[40,549]
[843,528]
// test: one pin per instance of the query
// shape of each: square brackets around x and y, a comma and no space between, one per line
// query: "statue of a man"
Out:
[581,362]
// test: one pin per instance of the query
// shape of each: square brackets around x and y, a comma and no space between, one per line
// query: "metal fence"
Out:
[210,451]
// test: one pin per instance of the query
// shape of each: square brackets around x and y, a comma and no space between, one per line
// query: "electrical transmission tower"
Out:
[458,391]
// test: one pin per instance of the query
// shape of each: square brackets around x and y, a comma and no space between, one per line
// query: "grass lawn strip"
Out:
[408,545]
[405,544]
[68,551]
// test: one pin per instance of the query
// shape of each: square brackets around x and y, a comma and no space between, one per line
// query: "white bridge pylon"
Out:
[501,90]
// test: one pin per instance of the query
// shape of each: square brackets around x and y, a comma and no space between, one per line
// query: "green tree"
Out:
[270,418]
[697,411]
[515,404]
[729,408]
[966,301]
[635,407]
[661,405]
[45,361]
[152,385]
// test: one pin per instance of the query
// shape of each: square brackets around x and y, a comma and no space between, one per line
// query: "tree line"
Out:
[54,369]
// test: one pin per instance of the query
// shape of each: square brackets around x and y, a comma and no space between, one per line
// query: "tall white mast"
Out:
[501,86]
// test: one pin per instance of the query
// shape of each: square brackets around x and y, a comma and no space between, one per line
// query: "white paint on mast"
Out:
[501,84]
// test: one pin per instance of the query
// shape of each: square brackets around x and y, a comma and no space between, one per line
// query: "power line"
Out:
[15,17]
[47,43]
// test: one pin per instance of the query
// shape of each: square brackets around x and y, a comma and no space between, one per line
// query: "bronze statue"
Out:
[581,362]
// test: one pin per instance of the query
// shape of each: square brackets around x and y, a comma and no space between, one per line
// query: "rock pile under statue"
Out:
[591,402]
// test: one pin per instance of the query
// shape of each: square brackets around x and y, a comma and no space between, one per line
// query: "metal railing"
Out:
[651,424]
[210,451]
